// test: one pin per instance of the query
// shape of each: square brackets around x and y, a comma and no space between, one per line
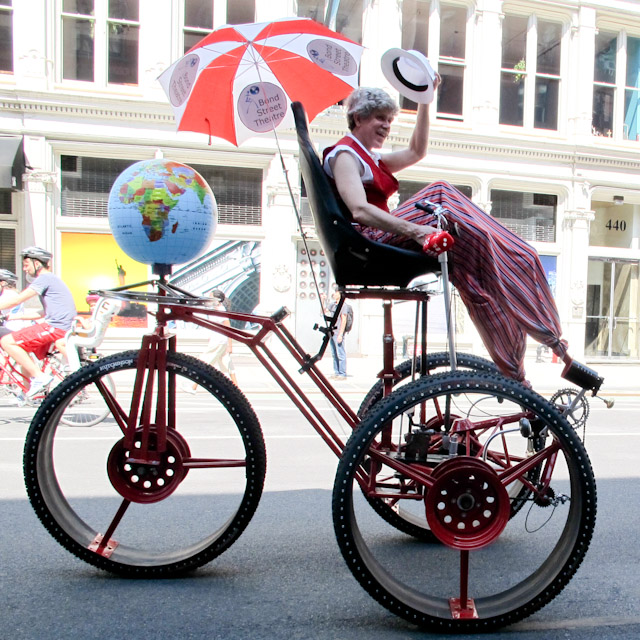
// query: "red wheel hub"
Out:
[467,507]
[148,482]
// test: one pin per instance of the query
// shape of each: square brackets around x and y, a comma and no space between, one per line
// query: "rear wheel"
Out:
[436,363]
[140,518]
[494,566]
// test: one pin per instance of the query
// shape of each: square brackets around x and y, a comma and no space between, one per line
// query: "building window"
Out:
[124,37]
[408,188]
[311,9]
[415,34]
[451,62]
[86,183]
[632,90]
[532,216]
[8,249]
[199,18]
[198,21]
[6,36]
[615,76]
[451,55]
[238,193]
[530,72]
[5,202]
[348,20]
[604,84]
[99,35]
[241,11]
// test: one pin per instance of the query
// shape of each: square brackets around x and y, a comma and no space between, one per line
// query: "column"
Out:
[33,46]
[382,30]
[38,217]
[278,250]
[572,287]
[579,73]
[486,56]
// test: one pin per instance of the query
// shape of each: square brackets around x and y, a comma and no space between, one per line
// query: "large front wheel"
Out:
[495,564]
[155,518]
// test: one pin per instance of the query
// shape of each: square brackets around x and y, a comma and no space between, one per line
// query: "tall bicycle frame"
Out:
[498,450]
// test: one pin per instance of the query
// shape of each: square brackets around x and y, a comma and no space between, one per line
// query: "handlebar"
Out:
[441,240]
[438,242]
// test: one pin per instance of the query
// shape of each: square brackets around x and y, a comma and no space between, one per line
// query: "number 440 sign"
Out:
[616,225]
[609,230]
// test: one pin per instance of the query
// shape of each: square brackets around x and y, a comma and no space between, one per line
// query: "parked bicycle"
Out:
[489,480]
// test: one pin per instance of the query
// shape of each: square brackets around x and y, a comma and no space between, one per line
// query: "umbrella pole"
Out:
[303,235]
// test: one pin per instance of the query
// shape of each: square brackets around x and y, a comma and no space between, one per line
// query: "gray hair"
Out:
[365,101]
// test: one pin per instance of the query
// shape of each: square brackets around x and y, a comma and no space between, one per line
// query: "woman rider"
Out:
[498,275]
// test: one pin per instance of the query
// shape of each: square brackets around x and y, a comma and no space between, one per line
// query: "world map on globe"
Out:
[162,212]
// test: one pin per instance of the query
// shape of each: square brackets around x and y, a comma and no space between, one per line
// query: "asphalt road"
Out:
[285,578]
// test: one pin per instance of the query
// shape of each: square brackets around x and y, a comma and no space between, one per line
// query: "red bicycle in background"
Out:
[87,409]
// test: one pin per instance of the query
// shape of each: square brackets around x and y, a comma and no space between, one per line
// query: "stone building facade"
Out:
[536,120]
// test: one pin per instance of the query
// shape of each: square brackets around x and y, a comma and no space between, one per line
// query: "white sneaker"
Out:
[38,385]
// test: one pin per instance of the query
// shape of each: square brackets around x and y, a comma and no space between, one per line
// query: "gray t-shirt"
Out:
[56,298]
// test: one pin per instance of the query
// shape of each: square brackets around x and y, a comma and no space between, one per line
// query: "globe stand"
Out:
[161,270]
[165,293]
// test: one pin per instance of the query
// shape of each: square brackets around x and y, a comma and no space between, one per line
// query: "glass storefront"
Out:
[613,309]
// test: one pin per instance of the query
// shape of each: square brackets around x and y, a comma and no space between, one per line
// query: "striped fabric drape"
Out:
[498,275]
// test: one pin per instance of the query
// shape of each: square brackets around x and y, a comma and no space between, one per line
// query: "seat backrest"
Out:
[100,319]
[354,259]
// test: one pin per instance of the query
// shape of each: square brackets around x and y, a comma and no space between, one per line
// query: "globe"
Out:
[162,213]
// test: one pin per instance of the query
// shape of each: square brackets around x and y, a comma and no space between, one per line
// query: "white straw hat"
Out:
[410,73]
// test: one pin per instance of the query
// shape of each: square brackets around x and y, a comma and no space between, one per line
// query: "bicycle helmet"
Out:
[8,276]
[42,255]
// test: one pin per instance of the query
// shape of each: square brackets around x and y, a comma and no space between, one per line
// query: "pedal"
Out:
[582,376]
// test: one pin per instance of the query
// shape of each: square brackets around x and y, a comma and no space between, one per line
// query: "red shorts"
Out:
[37,338]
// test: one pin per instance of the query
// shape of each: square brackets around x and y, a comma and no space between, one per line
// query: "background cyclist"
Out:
[59,312]
[17,317]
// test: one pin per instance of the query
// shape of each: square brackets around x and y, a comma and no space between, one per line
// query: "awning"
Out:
[11,162]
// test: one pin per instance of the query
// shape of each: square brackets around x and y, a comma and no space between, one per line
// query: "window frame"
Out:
[531,75]
[433,36]
[452,61]
[193,30]
[548,247]
[101,25]
[619,87]
[70,221]
[9,11]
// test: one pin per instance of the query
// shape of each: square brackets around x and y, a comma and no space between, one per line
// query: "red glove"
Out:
[438,242]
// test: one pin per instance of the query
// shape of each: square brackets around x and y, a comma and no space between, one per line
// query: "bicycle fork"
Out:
[152,359]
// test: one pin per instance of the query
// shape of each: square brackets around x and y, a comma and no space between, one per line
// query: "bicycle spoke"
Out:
[205,463]
[104,545]
[117,411]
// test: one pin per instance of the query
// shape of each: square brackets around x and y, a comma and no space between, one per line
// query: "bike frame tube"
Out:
[153,357]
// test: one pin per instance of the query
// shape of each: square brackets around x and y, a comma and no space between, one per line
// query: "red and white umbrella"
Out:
[240,80]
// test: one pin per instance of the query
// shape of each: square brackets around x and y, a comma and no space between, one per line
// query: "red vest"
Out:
[384,184]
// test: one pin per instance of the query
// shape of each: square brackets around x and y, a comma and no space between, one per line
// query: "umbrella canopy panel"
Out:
[240,80]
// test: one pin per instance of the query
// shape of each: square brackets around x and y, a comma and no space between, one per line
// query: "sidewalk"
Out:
[619,379]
